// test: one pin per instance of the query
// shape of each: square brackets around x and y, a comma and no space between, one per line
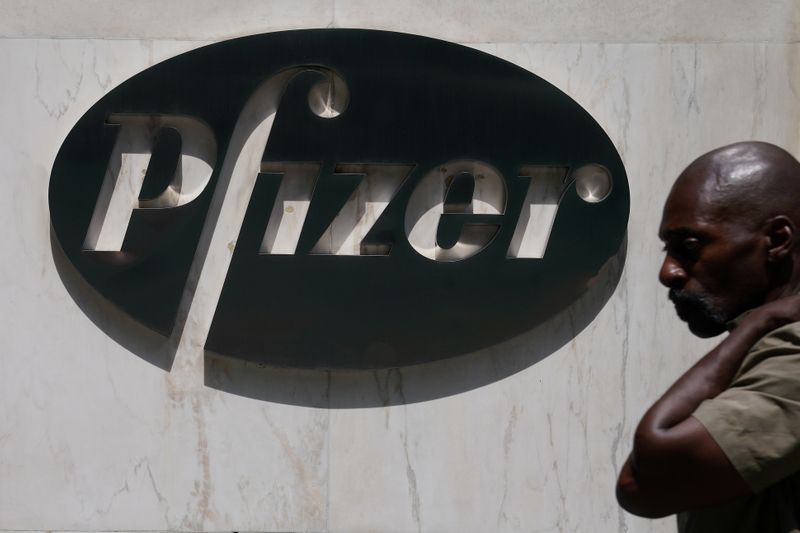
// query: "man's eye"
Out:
[687,248]
[691,244]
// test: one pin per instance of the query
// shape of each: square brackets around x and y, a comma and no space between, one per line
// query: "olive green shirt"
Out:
[756,422]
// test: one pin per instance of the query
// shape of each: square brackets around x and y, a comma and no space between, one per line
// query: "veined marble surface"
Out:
[94,438]
[472,21]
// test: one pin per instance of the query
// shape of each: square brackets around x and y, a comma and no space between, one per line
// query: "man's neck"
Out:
[782,291]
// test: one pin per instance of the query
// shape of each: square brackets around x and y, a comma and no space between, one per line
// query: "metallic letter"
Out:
[357,216]
[291,206]
[538,211]
[426,206]
[119,194]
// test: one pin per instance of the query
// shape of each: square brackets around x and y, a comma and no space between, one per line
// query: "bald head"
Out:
[747,181]
[730,234]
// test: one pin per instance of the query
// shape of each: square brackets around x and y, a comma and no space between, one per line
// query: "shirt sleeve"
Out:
[756,421]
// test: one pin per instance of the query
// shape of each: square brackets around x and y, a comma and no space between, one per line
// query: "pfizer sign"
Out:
[408,199]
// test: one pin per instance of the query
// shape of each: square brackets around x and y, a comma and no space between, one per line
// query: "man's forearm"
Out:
[676,464]
[706,379]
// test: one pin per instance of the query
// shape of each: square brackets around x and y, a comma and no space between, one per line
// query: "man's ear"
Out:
[780,233]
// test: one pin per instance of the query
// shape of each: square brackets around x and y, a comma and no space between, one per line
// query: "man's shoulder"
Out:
[756,420]
[784,335]
[778,346]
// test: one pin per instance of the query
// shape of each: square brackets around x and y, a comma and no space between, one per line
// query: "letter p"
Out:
[127,167]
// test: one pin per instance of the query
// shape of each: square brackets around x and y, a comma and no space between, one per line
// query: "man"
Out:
[722,445]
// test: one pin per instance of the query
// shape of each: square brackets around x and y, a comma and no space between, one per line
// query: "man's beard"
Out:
[705,319]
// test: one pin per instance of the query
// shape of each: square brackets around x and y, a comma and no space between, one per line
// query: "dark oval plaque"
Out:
[413,199]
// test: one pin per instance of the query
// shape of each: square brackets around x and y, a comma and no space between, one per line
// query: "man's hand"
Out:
[774,314]
[675,464]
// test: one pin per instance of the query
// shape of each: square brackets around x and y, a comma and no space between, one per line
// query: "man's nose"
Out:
[672,274]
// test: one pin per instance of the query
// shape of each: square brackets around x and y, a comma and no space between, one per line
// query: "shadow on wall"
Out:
[351,388]
[397,386]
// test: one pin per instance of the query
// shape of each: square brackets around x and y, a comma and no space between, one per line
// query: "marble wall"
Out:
[97,435]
